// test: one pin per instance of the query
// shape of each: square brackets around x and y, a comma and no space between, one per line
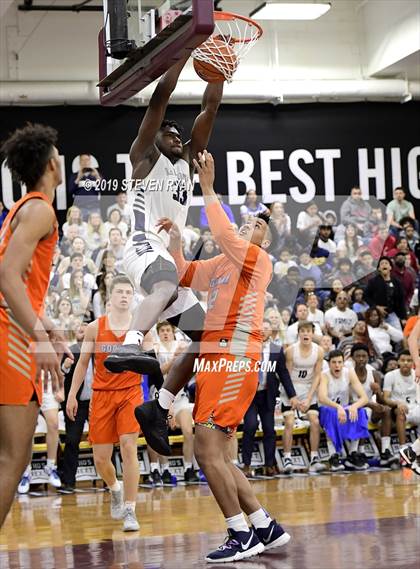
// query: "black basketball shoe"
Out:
[153,421]
[132,357]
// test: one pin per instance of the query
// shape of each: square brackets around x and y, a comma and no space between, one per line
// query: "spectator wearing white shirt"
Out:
[74,217]
[340,319]
[349,246]
[314,314]
[75,264]
[122,206]
[292,335]
[326,238]
[285,262]
[397,209]
[252,206]
[380,333]
[115,221]
[307,223]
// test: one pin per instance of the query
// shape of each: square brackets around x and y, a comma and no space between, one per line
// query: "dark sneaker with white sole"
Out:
[153,421]
[131,357]
[272,536]
[387,458]
[410,459]
[238,545]
[356,462]
[335,463]
[190,476]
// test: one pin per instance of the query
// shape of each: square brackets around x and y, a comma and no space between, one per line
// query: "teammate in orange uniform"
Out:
[230,352]
[114,399]
[27,241]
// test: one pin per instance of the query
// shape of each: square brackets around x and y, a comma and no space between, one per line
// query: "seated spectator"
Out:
[281,221]
[86,198]
[285,290]
[51,302]
[79,294]
[336,287]
[64,319]
[285,314]
[359,304]
[344,272]
[377,244]
[386,293]
[264,404]
[326,238]
[409,232]
[371,382]
[278,328]
[101,295]
[97,237]
[115,221]
[78,245]
[380,333]
[327,345]
[308,269]
[356,211]
[292,335]
[364,266]
[76,264]
[390,363]
[252,206]
[106,262]
[360,335]
[405,275]
[349,246]
[209,250]
[3,213]
[401,245]
[340,419]
[330,218]
[116,247]
[309,287]
[376,219]
[314,314]
[74,217]
[228,210]
[285,262]
[307,224]
[400,394]
[397,209]
[66,242]
[122,206]
[340,320]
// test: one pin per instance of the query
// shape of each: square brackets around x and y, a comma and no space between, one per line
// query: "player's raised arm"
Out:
[203,124]
[413,346]
[143,146]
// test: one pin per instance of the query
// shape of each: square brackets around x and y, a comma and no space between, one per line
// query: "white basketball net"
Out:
[239,35]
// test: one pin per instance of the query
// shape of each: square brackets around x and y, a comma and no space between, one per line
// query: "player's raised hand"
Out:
[175,239]
[205,168]
[164,223]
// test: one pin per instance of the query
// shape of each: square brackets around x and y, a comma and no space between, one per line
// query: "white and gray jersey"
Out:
[402,387]
[366,385]
[339,387]
[165,192]
[302,373]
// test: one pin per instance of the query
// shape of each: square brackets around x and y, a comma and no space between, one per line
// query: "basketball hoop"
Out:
[234,35]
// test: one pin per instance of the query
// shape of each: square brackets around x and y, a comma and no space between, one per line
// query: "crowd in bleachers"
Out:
[354,273]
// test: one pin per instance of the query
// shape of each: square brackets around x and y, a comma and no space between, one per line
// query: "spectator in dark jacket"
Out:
[405,275]
[285,290]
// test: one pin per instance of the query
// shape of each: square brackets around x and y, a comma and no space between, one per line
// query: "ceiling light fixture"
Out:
[290,11]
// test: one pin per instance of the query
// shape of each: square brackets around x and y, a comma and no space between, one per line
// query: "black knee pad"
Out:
[191,322]
[160,270]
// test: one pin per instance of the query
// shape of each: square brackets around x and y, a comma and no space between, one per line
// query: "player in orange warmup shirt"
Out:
[30,346]
[227,370]
[115,396]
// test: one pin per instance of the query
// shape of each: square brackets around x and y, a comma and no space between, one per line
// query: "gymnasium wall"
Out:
[291,153]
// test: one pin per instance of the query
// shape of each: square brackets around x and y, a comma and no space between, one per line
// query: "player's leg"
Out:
[17,426]
[250,428]
[51,418]
[410,454]
[266,413]
[289,422]
[400,423]
[314,435]
[184,421]
[382,414]
[328,419]
[131,473]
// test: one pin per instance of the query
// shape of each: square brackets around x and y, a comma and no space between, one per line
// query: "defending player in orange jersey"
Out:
[115,396]
[29,344]
[230,352]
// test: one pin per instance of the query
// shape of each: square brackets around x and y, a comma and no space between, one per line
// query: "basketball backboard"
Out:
[148,36]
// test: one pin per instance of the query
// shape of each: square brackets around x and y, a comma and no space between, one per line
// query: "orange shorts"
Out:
[17,364]
[112,414]
[224,395]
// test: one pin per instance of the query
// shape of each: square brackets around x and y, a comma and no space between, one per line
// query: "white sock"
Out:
[28,470]
[166,398]
[260,519]
[416,446]
[402,446]
[50,463]
[314,454]
[331,447]
[116,487]
[154,466]
[164,466]
[354,445]
[130,506]
[237,523]
[385,443]
[187,465]
[288,455]
[133,337]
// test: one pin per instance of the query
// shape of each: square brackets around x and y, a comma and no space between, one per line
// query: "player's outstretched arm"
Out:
[203,124]
[144,145]
[413,346]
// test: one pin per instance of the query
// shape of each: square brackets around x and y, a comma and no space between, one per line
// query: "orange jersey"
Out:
[37,276]
[236,282]
[106,342]
[408,328]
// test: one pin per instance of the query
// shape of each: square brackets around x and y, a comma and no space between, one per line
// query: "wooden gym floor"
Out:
[339,521]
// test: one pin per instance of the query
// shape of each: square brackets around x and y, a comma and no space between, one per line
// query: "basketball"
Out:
[222,55]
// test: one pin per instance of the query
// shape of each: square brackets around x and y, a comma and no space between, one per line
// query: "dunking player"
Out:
[411,453]
[231,345]
[27,243]
[162,174]
[114,398]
